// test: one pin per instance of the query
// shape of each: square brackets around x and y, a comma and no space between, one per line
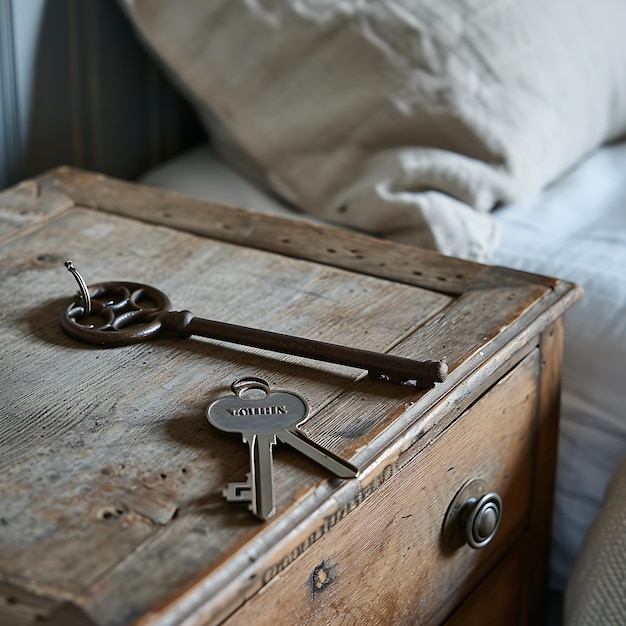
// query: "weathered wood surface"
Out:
[544,479]
[29,202]
[110,449]
[301,239]
[498,598]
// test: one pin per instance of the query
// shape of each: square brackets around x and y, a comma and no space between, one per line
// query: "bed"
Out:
[491,131]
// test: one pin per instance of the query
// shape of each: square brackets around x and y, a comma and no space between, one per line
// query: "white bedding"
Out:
[575,230]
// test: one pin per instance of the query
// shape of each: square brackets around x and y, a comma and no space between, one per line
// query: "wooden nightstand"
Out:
[112,510]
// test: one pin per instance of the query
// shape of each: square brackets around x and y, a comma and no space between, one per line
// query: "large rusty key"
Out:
[122,313]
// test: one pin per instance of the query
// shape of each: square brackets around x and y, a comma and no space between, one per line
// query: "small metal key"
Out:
[121,313]
[262,420]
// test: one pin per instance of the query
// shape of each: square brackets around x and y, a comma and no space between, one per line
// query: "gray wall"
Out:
[77,88]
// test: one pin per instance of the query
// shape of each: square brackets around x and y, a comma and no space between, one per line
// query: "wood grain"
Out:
[539,539]
[292,237]
[498,599]
[126,466]
[29,203]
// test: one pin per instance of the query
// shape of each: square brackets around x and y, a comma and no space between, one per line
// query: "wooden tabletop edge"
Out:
[285,235]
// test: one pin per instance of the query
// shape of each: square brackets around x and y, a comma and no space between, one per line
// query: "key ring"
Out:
[239,387]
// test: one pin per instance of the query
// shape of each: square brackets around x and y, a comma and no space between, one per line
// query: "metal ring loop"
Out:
[251,382]
[82,285]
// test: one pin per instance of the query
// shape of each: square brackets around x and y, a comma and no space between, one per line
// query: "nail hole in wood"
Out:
[48,258]
[110,513]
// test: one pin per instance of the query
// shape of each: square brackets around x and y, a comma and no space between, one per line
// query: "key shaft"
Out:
[333,463]
[378,365]
[262,474]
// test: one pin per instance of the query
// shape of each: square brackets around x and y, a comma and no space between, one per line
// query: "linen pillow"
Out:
[409,119]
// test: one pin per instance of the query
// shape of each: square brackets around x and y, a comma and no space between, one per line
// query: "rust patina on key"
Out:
[122,313]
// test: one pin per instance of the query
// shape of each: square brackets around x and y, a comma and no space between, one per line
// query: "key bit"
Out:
[239,492]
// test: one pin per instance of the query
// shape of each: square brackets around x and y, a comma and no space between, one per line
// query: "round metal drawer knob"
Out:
[483,520]
[473,517]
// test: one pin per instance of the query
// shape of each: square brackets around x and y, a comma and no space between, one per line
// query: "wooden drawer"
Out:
[498,598]
[385,562]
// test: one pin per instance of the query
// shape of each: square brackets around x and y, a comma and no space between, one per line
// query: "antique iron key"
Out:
[261,421]
[122,313]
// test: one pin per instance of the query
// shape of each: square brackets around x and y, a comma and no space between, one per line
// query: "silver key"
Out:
[261,420]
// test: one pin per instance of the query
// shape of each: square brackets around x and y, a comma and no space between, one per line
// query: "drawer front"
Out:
[497,599]
[386,562]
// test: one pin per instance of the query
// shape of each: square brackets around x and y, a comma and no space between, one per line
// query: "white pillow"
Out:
[405,118]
